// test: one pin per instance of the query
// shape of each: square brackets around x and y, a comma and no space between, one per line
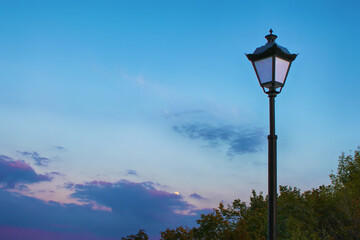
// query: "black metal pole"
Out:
[272,183]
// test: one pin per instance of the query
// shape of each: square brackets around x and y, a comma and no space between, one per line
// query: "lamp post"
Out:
[271,63]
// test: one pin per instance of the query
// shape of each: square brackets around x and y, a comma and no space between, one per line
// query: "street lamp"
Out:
[271,63]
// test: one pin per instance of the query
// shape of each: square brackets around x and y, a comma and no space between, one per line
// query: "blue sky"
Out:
[110,106]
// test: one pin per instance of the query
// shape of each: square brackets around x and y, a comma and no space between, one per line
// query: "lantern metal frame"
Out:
[273,50]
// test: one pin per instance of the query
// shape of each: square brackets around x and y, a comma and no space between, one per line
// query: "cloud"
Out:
[197,196]
[237,140]
[146,203]
[133,206]
[60,148]
[39,161]
[56,174]
[31,213]
[132,172]
[20,233]
[14,172]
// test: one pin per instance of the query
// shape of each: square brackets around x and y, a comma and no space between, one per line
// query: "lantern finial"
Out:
[271,37]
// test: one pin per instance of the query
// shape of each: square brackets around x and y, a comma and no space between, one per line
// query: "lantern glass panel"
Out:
[281,69]
[263,68]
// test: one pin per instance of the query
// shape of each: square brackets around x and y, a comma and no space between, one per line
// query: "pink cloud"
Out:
[13,172]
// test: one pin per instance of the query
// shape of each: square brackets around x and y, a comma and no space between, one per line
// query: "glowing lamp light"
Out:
[271,63]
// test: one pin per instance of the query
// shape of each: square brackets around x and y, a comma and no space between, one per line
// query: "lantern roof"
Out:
[271,48]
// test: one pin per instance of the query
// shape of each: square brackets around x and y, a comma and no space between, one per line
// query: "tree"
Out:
[180,233]
[141,235]
[224,223]
[255,217]
[346,184]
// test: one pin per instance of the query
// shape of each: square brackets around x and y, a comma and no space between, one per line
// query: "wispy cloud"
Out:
[60,148]
[237,140]
[39,161]
[13,172]
[169,114]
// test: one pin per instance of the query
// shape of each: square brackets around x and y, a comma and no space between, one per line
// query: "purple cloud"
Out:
[20,211]
[132,206]
[131,172]
[147,205]
[197,196]
[14,172]
[39,161]
[19,233]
